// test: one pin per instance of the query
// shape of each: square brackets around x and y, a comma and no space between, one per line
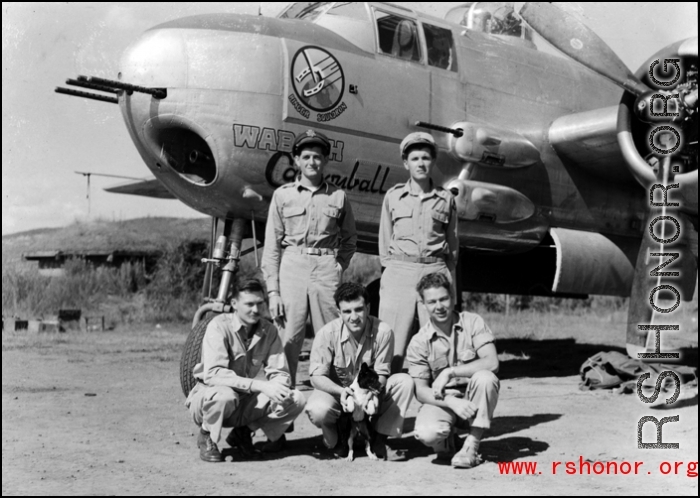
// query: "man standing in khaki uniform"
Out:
[453,362]
[417,236]
[338,352]
[234,348]
[309,240]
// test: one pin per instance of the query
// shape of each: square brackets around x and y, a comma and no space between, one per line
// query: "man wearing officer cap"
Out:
[417,236]
[309,240]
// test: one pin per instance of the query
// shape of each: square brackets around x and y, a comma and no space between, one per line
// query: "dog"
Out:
[355,418]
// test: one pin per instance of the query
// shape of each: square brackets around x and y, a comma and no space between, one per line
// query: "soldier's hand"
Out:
[440,383]
[347,391]
[276,307]
[463,408]
[276,392]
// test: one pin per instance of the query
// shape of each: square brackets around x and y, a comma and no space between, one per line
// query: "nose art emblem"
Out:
[317,78]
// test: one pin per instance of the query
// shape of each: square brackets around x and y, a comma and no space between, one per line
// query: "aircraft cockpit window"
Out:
[308,11]
[496,18]
[440,47]
[398,36]
[352,10]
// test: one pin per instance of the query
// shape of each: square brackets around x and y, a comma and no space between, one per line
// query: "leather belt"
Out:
[416,259]
[311,251]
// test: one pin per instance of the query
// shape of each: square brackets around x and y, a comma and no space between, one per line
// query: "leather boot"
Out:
[208,451]
[241,439]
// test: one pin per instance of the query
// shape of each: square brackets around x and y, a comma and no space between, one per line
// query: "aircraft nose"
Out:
[218,71]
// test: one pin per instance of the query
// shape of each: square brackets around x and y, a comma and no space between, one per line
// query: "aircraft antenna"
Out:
[88,174]
[87,196]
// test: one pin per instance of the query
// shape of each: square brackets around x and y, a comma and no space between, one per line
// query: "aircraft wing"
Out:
[148,187]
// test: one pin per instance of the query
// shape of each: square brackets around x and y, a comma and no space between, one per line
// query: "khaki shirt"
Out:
[226,361]
[431,351]
[418,225]
[337,355]
[301,217]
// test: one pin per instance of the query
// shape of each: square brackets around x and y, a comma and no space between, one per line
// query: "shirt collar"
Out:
[456,327]
[406,189]
[345,332]
[237,326]
[298,185]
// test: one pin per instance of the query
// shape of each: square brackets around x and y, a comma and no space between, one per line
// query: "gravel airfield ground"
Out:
[103,413]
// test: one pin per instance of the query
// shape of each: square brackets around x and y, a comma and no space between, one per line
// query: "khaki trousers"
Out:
[323,409]
[307,284]
[435,424]
[399,300]
[216,407]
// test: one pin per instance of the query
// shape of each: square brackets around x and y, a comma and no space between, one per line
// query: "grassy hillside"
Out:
[141,234]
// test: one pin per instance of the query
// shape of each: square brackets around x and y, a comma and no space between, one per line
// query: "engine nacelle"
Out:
[489,202]
[489,145]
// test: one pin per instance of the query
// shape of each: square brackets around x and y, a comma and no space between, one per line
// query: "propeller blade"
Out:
[576,40]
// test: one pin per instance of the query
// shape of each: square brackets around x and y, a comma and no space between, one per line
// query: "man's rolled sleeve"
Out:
[482,334]
[272,252]
[322,353]
[348,237]
[385,350]
[215,358]
[417,355]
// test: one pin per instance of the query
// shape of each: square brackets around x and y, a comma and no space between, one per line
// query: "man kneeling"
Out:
[235,346]
[453,362]
[338,351]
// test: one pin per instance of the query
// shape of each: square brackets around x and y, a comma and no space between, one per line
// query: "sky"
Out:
[46,136]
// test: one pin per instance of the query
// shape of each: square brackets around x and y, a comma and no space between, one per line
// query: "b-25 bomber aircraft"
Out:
[544,155]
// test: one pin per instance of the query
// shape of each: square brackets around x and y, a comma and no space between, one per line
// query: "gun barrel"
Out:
[457,132]
[87,95]
[91,86]
[158,93]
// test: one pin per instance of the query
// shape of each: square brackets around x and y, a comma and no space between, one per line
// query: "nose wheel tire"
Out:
[192,354]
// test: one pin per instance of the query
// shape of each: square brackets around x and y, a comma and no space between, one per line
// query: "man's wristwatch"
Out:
[273,293]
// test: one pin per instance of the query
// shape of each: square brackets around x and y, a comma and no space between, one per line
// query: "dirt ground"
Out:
[102,413]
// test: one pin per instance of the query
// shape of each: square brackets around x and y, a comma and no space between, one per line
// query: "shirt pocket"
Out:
[344,375]
[328,221]
[440,220]
[437,365]
[402,220]
[256,362]
[294,219]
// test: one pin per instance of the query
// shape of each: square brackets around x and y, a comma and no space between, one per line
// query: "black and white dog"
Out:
[357,411]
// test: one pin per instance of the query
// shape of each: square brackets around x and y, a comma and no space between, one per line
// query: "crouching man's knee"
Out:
[401,383]
[318,409]
[486,379]
[298,403]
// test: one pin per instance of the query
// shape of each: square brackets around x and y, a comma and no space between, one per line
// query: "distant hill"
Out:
[140,234]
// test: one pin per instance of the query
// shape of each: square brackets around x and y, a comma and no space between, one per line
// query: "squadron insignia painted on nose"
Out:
[317,78]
